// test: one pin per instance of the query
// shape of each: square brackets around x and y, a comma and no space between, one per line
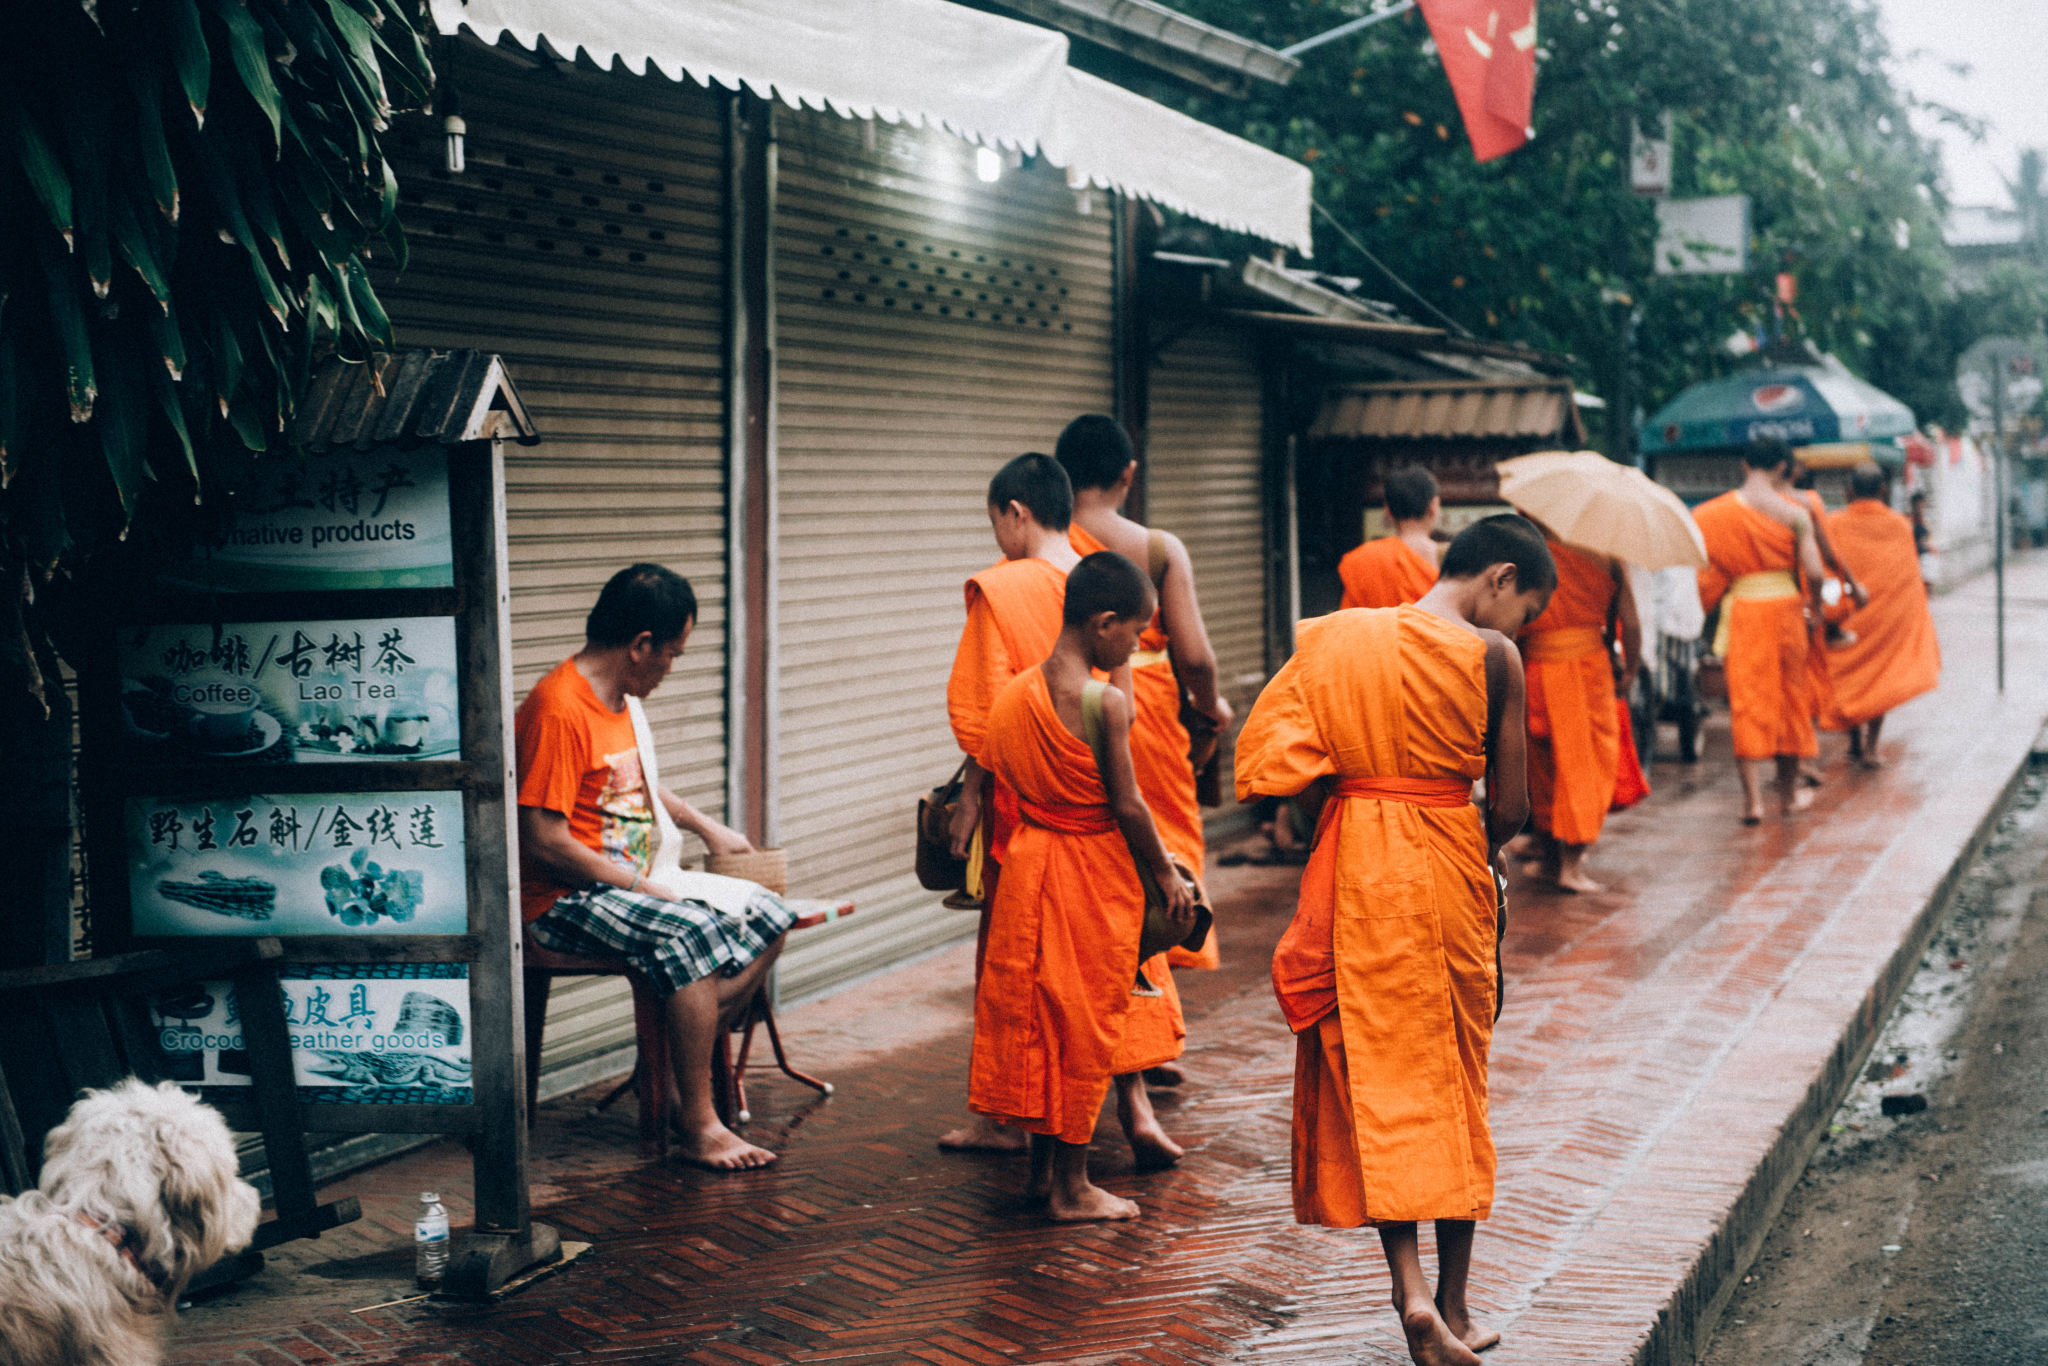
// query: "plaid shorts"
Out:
[671,943]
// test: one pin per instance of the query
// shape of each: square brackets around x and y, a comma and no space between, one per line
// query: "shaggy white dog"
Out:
[139,1193]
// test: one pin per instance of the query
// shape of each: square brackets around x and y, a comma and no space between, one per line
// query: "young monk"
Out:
[1399,568]
[1575,728]
[1387,974]
[1055,988]
[1895,656]
[1013,618]
[1173,654]
[1819,665]
[1756,538]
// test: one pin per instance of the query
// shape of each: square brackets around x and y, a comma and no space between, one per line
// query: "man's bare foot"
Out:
[1464,1330]
[1090,1202]
[1521,846]
[1870,761]
[719,1149]
[1166,1076]
[1151,1149]
[1811,776]
[1430,1340]
[1754,815]
[984,1135]
[1801,799]
[1577,882]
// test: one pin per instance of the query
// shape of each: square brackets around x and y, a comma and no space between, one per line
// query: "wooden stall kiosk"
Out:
[304,732]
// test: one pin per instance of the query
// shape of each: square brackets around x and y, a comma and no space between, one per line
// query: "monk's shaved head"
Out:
[1106,582]
[1094,451]
[1410,491]
[1767,453]
[1503,539]
[1040,485]
[1867,481]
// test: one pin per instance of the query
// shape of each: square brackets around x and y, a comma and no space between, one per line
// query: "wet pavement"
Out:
[1669,1051]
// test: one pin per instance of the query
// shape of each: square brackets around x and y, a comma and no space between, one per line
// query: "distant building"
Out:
[1980,236]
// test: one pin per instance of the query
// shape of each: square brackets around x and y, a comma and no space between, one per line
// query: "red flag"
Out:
[1489,52]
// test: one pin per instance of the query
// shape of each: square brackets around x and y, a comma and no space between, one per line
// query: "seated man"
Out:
[587,841]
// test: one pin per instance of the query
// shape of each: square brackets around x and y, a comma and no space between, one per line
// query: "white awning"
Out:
[988,79]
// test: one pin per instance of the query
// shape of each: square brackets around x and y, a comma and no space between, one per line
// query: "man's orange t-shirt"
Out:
[578,757]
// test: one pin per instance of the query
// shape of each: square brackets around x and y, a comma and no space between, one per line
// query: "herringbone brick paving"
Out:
[1655,1042]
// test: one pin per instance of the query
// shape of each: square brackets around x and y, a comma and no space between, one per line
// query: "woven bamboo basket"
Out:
[769,867]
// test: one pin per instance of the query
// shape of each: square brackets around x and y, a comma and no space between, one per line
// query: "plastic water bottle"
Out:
[430,1241]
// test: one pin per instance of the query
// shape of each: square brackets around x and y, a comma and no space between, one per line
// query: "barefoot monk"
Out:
[1056,990]
[1173,656]
[1013,618]
[1895,656]
[1387,974]
[1759,544]
[1390,570]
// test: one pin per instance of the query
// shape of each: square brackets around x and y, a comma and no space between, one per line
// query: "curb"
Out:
[1685,1325]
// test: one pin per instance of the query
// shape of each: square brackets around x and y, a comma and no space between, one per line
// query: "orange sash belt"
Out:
[1067,818]
[1566,642]
[1414,791]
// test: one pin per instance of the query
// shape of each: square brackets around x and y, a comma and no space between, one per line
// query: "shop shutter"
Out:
[584,243]
[930,326]
[1205,484]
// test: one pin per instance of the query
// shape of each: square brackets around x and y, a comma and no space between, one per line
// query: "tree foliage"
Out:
[188,191]
[1785,100]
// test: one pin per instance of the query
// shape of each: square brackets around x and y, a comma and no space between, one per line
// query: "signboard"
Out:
[1703,236]
[1649,159]
[347,519]
[356,691]
[395,1034]
[369,863]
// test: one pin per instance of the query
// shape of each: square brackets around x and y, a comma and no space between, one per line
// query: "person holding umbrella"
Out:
[1595,516]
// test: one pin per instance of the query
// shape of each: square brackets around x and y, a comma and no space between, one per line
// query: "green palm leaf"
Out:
[252,61]
[46,174]
[189,54]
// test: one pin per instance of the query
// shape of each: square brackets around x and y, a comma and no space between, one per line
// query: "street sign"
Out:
[1999,379]
[1649,160]
[1703,236]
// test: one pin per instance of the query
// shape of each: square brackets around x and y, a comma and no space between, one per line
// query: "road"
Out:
[1922,1239]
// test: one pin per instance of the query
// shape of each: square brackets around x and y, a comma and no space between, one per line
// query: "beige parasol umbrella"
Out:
[1588,500]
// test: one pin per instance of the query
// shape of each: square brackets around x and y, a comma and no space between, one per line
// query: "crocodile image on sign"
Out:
[251,898]
[392,1069]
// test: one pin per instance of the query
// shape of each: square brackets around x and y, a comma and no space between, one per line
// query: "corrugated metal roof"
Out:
[409,398]
[1447,408]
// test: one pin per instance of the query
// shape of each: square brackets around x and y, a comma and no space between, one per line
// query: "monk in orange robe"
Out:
[1895,656]
[1055,992]
[1818,661]
[1758,545]
[1173,657]
[1387,974]
[1013,618]
[1574,725]
[1391,570]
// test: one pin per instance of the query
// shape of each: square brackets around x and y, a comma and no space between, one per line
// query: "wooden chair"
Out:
[650,1076]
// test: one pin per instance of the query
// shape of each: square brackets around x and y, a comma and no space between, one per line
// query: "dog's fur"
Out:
[150,1162]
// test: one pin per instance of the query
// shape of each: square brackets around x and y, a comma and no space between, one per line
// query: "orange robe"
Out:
[1896,656]
[1155,1031]
[1050,1010]
[1384,573]
[1013,618]
[1819,658]
[1574,743]
[1387,973]
[1631,785]
[1770,691]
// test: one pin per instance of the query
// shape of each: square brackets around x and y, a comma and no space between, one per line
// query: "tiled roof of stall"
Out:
[1448,408]
[411,398]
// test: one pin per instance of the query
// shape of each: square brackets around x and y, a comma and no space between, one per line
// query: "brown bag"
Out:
[937,869]
[1158,935]
[1204,751]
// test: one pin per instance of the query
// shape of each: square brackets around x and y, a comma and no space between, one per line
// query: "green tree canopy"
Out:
[188,189]
[1785,100]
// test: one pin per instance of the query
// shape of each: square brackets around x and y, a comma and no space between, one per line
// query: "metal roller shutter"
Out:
[1205,484]
[929,327]
[584,243]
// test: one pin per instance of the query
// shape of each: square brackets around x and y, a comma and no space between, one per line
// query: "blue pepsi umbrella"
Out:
[1802,405]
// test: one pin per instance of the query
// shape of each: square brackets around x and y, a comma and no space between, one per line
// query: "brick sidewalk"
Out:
[1668,1049]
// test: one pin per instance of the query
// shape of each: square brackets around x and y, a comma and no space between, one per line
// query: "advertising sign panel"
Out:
[373,863]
